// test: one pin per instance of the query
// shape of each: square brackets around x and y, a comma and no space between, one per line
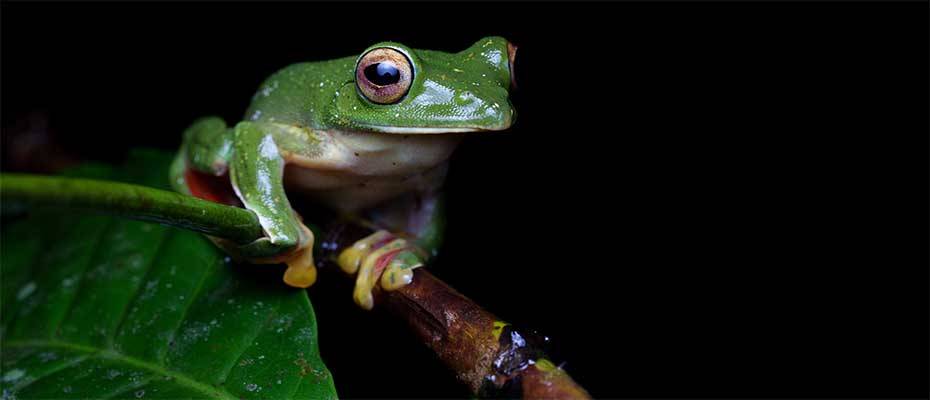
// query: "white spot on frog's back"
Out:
[269,89]
[253,387]
[25,291]
[494,57]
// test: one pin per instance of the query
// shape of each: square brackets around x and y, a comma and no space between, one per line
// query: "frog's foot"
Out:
[381,258]
[301,270]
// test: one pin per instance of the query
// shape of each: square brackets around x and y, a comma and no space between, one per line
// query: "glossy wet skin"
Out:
[355,152]
[450,92]
[367,135]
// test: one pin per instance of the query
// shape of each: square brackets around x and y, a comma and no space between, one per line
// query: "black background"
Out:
[697,200]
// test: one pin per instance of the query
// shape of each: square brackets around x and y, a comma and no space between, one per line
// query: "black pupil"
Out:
[382,74]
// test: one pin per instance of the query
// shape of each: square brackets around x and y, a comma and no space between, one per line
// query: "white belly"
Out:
[359,170]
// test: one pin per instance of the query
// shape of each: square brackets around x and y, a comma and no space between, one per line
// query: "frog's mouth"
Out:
[435,130]
[426,130]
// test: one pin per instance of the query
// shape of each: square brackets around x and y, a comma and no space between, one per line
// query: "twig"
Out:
[132,201]
[490,356]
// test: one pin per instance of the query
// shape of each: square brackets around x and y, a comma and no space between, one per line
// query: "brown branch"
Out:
[491,357]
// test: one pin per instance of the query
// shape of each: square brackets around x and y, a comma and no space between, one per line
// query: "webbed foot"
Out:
[301,271]
[381,258]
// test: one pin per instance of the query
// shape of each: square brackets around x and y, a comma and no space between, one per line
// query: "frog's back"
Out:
[300,93]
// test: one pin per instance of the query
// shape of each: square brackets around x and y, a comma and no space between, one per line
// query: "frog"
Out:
[367,135]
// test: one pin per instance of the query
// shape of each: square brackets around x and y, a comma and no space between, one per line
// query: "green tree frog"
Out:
[366,135]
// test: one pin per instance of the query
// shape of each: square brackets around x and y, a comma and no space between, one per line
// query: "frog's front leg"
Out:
[256,170]
[388,259]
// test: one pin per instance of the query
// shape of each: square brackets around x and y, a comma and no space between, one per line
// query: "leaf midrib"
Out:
[111,354]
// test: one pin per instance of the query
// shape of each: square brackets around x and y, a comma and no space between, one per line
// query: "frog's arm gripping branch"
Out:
[488,355]
[257,165]
[256,170]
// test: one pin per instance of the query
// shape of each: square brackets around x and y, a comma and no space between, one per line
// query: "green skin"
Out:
[310,128]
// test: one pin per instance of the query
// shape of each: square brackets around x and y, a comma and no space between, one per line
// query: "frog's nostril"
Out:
[511,57]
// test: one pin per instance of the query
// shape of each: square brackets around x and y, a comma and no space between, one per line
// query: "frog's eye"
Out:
[383,75]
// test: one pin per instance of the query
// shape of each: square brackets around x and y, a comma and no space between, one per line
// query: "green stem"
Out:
[133,201]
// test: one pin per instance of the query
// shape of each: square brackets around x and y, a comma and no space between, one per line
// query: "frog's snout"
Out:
[511,59]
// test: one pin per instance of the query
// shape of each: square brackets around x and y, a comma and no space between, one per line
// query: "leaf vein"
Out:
[178,377]
[111,337]
[90,260]
[51,372]
[193,296]
[254,336]
[127,388]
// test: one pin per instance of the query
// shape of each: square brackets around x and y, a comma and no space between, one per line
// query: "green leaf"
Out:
[101,307]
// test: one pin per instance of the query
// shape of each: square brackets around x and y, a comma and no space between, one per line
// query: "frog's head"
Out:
[406,91]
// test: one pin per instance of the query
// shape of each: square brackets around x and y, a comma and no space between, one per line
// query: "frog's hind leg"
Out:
[208,144]
[202,159]
[388,259]
[418,215]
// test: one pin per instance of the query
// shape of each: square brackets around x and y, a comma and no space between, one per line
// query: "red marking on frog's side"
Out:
[213,188]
